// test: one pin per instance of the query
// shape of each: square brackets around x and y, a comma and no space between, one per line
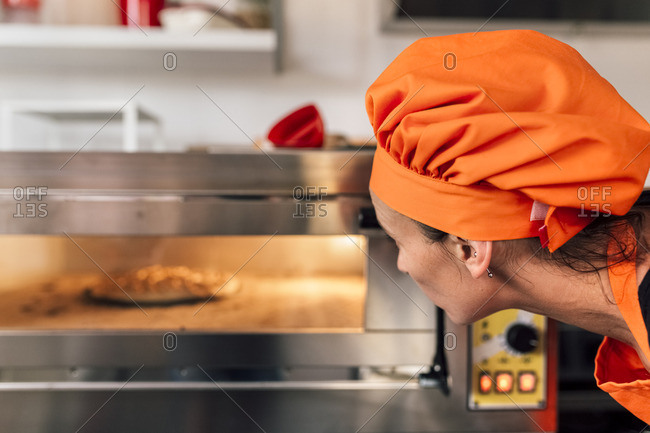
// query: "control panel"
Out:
[507,361]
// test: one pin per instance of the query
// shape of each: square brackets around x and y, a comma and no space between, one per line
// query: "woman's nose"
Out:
[401,262]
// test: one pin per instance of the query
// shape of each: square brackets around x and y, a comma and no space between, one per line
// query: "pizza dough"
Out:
[162,285]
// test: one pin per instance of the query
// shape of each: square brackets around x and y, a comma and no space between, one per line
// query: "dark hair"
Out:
[586,251]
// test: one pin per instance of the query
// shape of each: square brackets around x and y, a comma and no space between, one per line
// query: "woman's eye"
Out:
[389,237]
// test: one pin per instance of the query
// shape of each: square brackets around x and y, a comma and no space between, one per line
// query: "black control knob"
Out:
[522,338]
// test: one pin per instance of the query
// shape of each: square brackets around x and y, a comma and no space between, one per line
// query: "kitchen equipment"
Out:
[324,333]
[80,12]
[194,17]
[191,19]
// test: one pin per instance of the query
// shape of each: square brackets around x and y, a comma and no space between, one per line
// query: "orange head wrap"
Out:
[504,135]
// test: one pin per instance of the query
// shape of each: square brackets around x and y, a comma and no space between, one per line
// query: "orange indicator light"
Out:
[484,383]
[504,382]
[527,381]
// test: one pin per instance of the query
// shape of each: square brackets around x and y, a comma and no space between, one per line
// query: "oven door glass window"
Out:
[204,283]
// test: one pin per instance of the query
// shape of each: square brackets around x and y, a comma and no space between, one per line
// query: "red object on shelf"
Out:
[143,13]
[302,128]
[23,4]
[21,11]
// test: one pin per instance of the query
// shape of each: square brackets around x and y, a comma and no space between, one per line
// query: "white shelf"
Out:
[78,110]
[123,38]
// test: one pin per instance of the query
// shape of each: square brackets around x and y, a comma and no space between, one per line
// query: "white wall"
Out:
[333,50]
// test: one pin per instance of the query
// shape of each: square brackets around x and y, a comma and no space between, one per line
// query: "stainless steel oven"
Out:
[292,315]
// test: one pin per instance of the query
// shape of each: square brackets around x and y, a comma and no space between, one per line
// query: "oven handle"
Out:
[347,385]
[438,374]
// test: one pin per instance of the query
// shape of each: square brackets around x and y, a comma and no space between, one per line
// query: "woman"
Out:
[506,171]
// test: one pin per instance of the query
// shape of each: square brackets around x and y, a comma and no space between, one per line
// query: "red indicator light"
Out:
[504,382]
[484,383]
[527,381]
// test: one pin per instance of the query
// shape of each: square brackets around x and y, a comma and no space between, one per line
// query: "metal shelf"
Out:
[114,48]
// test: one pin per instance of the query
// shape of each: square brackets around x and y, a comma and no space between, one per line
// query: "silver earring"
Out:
[489,272]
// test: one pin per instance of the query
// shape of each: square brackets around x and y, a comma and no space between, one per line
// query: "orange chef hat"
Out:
[504,135]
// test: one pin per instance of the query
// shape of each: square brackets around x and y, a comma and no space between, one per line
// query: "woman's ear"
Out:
[476,255]
[479,258]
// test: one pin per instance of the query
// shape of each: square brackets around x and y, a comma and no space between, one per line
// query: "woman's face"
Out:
[440,269]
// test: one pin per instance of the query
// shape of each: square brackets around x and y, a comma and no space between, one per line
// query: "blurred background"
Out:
[325,52]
